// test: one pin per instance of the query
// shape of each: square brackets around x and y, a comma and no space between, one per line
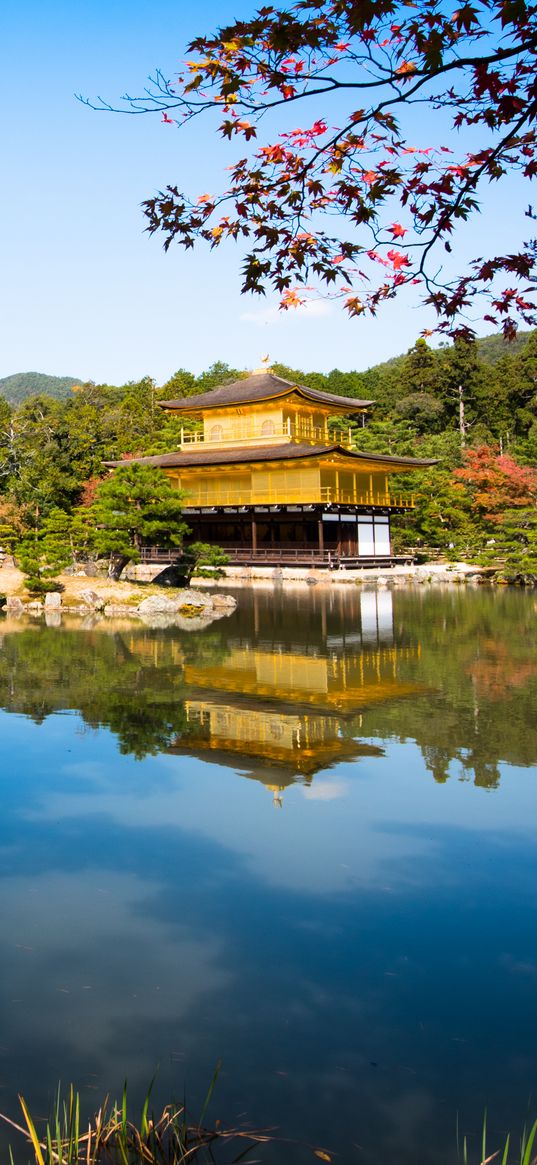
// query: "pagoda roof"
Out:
[261,386]
[197,458]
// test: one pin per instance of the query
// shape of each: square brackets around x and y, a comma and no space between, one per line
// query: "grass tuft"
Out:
[504,1156]
[169,1139]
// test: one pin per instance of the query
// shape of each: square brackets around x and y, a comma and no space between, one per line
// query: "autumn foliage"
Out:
[497,483]
[352,200]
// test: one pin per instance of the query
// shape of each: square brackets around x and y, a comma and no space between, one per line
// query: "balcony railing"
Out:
[325,495]
[281,556]
[253,435]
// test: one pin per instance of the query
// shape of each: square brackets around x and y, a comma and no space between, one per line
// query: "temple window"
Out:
[216,433]
[268,429]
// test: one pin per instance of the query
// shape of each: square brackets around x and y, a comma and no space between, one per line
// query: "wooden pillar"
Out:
[321,535]
[254,534]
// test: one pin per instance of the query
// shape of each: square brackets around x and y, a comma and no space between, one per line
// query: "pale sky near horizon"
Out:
[84,291]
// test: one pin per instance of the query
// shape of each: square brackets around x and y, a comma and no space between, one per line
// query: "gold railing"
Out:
[252,435]
[273,497]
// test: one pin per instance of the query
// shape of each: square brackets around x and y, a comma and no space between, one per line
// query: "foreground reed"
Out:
[111,1136]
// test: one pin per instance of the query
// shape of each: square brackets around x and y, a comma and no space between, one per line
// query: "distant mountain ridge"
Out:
[21,385]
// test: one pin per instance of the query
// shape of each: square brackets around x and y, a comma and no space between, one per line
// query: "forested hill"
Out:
[21,385]
[491,349]
[494,348]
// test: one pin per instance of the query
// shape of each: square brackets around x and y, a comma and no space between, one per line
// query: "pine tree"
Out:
[136,504]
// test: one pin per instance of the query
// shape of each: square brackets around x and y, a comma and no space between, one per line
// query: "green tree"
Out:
[43,554]
[425,413]
[419,370]
[182,383]
[42,474]
[441,519]
[394,435]
[460,374]
[206,560]
[137,504]
[525,403]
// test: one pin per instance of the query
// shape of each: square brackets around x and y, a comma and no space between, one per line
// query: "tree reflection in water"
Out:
[295,682]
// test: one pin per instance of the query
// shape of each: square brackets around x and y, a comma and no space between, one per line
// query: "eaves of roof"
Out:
[288,452]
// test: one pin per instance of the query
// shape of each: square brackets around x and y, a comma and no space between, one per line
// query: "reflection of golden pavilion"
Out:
[303,741]
[283,713]
[273,747]
[341,683]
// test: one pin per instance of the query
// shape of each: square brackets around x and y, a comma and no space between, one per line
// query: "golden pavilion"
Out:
[267,477]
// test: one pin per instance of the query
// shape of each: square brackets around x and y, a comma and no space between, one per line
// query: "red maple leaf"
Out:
[398,260]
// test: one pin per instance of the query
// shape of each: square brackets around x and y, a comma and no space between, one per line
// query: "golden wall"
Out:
[285,483]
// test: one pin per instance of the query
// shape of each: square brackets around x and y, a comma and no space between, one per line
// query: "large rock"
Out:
[185,602]
[227,602]
[172,576]
[157,605]
[92,599]
[14,605]
[189,599]
[53,601]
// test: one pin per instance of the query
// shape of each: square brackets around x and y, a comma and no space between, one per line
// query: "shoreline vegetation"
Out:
[98,600]
[103,599]
[172,1138]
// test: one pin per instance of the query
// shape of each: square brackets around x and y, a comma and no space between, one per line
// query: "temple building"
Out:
[269,479]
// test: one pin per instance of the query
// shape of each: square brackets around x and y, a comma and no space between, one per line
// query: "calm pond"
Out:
[301,841]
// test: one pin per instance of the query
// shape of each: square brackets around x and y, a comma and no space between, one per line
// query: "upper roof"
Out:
[186,459]
[261,386]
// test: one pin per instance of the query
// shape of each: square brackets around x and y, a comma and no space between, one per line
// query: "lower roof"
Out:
[287,452]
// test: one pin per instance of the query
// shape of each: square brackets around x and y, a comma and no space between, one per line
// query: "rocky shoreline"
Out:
[190,610]
[454,573]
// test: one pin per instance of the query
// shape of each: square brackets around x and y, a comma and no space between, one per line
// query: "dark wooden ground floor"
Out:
[331,536]
[341,530]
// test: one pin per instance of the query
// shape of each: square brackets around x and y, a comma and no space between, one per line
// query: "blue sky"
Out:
[84,291]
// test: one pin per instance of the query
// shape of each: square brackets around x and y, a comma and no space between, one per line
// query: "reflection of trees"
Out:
[478,652]
[130,682]
[496,672]
[467,671]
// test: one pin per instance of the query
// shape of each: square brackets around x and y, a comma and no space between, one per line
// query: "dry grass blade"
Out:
[111,1136]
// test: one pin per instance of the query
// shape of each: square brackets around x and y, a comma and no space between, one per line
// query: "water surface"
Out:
[301,841]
